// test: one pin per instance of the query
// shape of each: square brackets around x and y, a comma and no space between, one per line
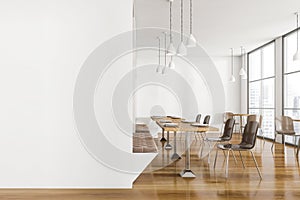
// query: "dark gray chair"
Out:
[206,119]
[247,144]
[226,136]
[198,118]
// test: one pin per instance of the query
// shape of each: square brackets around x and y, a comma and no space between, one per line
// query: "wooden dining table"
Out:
[296,120]
[185,128]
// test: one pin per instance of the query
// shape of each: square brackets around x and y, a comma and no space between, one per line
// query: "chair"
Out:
[198,118]
[257,118]
[247,144]
[285,126]
[206,119]
[226,136]
[228,115]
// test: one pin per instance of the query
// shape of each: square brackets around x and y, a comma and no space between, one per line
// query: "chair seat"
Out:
[283,132]
[235,146]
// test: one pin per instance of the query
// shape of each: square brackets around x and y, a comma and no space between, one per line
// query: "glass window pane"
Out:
[290,48]
[255,65]
[268,93]
[268,124]
[292,91]
[295,114]
[268,60]
[255,94]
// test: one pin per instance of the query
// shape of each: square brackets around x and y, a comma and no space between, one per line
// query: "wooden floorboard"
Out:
[280,170]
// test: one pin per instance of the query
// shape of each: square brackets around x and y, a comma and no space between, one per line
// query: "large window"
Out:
[261,92]
[291,77]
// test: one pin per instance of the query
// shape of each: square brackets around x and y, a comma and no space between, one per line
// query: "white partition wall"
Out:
[44,45]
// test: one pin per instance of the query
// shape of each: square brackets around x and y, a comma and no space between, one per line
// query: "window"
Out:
[291,77]
[261,81]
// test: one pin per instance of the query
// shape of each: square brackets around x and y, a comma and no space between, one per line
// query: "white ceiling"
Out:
[222,24]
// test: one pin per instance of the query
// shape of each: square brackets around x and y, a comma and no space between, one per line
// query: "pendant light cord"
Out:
[165,49]
[232,61]
[242,57]
[158,51]
[245,61]
[297,14]
[181,22]
[191,16]
[171,34]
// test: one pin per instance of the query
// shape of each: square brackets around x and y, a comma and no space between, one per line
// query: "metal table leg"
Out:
[168,146]
[187,172]
[163,139]
[175,155]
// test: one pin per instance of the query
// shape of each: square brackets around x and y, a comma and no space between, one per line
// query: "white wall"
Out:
[165,101]
[154,95]
[43,45]
[232,90]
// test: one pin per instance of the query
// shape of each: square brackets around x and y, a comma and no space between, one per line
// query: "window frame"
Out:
[261,79]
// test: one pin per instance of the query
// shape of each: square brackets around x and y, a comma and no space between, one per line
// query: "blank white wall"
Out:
[232,90]
[43,45]
[153,95]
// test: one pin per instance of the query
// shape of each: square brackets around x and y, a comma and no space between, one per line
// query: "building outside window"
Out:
[261,86]
[291,80]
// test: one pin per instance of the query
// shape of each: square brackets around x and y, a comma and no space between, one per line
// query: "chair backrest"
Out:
[257,118]
[284,124]
[228,129]
[226,116]
[206,119]
[198,118]
[249,135]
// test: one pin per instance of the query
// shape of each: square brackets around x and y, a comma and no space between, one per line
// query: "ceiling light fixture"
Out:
[171,48]
[163,72]
[245,65]
[296,57]
[171,63]
[159,67]
[181,50]
[191,42]
[232,78]
[242,70]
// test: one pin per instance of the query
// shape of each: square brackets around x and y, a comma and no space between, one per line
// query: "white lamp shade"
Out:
[181,50]
[159,69]
[172,64]
[232,79]
[242,72]
[191,42]
[244,77]
[296,57]
[171,50]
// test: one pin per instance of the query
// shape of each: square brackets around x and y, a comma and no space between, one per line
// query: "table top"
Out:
[296,120]
[240,114]
[182,126]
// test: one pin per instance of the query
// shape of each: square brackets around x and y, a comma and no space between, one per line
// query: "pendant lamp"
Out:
[191,42]
[181,50]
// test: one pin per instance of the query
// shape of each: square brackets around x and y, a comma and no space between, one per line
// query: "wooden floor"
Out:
[280,170]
